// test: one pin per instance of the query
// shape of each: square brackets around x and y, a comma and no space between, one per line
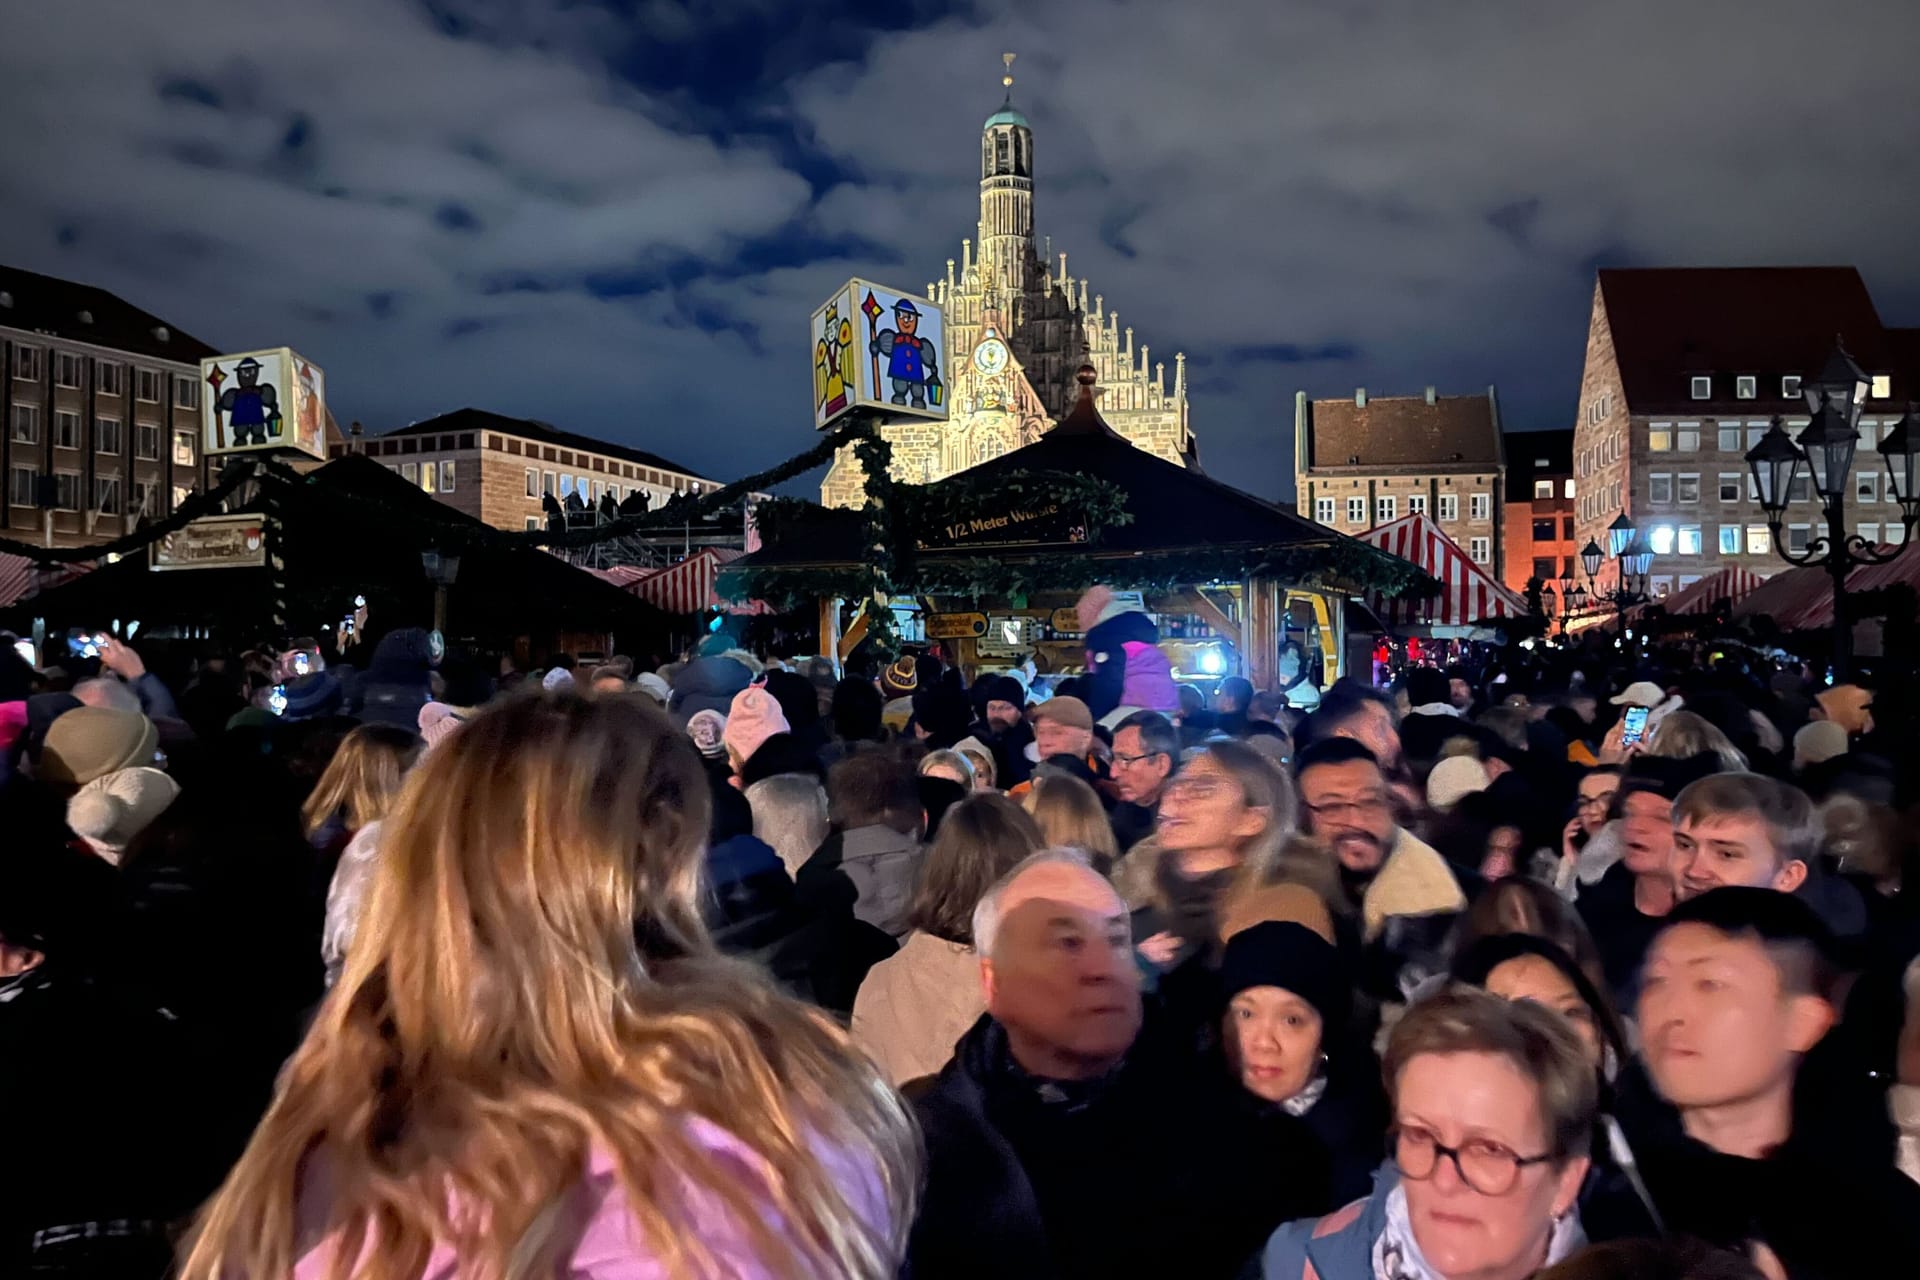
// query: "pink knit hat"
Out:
[754,717]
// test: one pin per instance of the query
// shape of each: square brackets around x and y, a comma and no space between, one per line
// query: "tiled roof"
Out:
[1543,453]
[1404,431]
[545,433]
[1672,324]
[55,307]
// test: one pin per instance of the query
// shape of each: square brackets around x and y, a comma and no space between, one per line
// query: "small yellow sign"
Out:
[1066,621]
[956,626]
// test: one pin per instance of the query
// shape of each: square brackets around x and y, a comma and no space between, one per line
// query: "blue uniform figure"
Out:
[252,408]
[913,363]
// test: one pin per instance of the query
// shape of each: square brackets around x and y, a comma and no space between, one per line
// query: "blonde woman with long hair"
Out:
[535,1064]
[1070,815]
[359,783]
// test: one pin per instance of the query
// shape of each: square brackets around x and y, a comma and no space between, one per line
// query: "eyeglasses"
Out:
[1196,786]
[1359,807]
[1486,1167]
[1130,761]
[1600,801]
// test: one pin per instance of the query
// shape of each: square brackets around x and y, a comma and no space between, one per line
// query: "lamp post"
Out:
[442,571]
[1628,549]
[1826,449]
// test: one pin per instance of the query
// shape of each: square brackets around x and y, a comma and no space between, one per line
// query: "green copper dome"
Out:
[1007,114]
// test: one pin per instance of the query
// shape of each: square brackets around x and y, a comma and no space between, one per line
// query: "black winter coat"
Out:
[1032,1180]
[1106,677]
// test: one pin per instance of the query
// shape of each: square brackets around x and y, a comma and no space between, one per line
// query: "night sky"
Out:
[617,216]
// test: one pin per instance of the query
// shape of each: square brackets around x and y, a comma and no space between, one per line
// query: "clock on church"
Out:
[991,356]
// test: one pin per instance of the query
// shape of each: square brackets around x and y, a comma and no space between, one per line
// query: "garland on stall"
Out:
[879,534]
[198,505]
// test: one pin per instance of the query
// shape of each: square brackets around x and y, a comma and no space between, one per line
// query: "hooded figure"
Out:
[709,682]
[395,686]
[1126,672]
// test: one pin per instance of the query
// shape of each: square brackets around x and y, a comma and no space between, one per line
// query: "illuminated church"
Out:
[1018,326]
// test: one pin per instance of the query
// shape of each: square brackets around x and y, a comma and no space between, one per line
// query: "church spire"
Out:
[1006,192]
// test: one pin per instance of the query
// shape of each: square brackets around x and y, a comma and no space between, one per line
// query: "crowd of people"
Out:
[1579,962]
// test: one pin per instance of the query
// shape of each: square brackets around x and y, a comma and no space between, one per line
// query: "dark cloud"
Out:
[617,214]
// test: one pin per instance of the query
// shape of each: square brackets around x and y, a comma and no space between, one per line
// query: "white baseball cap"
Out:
[1641,693]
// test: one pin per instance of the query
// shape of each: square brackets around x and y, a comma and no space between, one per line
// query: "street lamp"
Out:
[443,570]
[1628,549]
[1826,448]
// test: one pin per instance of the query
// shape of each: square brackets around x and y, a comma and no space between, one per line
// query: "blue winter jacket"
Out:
[1344,1252]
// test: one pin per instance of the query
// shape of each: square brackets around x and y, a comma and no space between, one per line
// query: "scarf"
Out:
[1397,1256]
[1192,902]
[1302,1102]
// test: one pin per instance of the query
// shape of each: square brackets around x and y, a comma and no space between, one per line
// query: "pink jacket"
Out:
[1149,679]
[612,1248]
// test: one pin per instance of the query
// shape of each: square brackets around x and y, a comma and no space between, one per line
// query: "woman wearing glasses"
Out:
[1493,1107]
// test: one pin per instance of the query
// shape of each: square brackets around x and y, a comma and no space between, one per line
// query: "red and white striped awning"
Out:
[1802,599]
[20,577]
[1468,593]
[687,587]
[1731,583]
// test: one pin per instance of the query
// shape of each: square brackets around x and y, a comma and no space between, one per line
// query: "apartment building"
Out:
[499,469]
[1366,460]
[1538,516]
[99,412]
[1685,370]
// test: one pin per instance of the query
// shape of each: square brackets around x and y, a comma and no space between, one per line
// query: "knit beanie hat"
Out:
[87,742]
[754,717]
[438,720]
[900,679]
[1096,606]
[653,686]
[312,697]
[558,678]
[1292,957]
[1007,689]
[115,807]
[1295,903]
[1818,742]
[1453,779]
[708,729]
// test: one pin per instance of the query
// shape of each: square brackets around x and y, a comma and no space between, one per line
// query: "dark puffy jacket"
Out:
[394,686]
[1106,676]
[707,684]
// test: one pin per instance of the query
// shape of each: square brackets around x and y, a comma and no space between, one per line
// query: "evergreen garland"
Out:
[236,474]
[878,531]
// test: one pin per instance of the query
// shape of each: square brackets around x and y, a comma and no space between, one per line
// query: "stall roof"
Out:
[1174,508]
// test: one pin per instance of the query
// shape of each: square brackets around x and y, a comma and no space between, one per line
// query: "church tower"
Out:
[1007,260]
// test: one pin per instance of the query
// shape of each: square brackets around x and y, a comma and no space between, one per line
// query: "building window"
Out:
[1790,387]
[66,429]
[146,385]
[1759,541]
[446,477]
[1729,438]
[26,363]
[1481,549]
[183,448]
[410,472]
[1543,530]
[1386,509]
[1866,486]
[533,525]
[1659,488]
[1729,539]
[23,485]
[1481,506]
[1356,510]
[1869,440]
[112,377]
[1689,540]
[1325,510]
[186,393]
[1882,386]
[566,488]
[142,499]
[1662,587]
[66,491]
[551,482]
[181,493]
[1797,537]
[1729,486]
[1801,488]
[146,441]
[533,483]
[1660,437]
[1687,439]
[1543,568]
[1755,430]
[1870,534]
[1688,491]
[1703,388]
[106,495]
[1746,387]
[66,369]
[1449,507]
[106,435]
[1543,488]
[1417,504]
[1660,538]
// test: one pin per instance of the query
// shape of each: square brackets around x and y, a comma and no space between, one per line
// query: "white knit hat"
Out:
[109,812]
[1453,780]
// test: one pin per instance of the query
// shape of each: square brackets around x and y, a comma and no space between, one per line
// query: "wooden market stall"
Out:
[995,556]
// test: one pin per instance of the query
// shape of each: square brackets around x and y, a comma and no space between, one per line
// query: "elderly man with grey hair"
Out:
[1068,1136]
